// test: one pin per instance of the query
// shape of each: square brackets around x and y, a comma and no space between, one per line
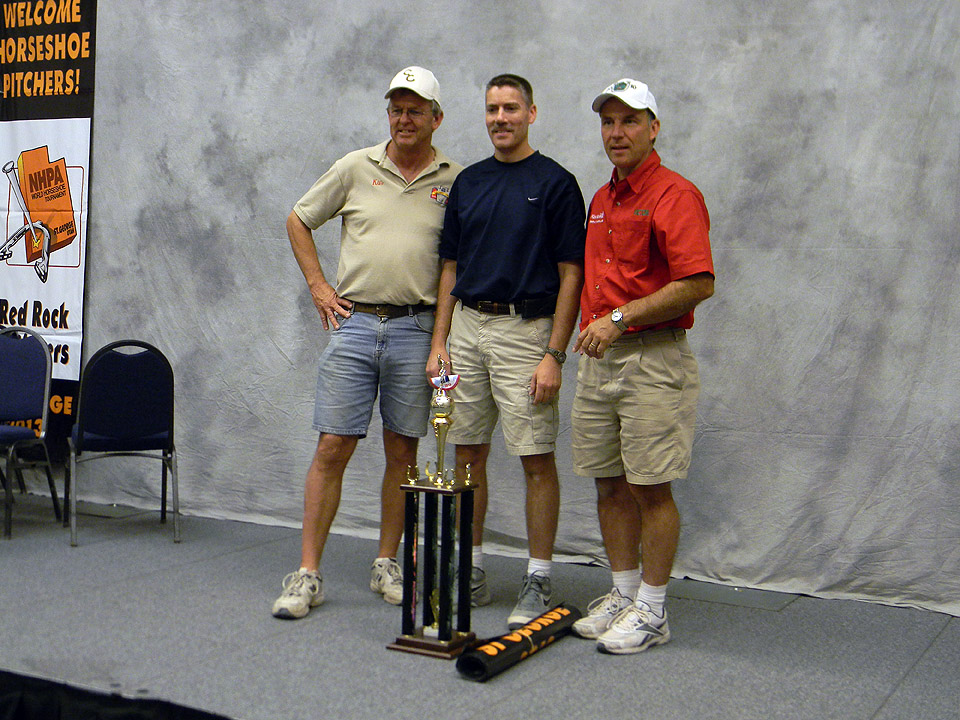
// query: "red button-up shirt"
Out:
[644,231]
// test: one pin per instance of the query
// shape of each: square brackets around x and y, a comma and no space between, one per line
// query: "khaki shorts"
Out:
[495,356]
[635,409]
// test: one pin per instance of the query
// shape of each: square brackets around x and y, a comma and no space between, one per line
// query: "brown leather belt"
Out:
[388,312]
[490,307]
[538,307]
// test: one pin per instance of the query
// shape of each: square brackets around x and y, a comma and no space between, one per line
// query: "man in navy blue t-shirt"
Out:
[512,254]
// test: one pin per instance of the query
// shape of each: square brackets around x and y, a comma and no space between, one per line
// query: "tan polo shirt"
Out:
[390,229]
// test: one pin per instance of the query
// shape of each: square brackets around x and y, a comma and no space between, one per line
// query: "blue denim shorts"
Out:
[367,356]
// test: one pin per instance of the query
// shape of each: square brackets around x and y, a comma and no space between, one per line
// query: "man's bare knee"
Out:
[475,455]
[651,498]
[399,450]
[334,451]
[609,488]
[539,468]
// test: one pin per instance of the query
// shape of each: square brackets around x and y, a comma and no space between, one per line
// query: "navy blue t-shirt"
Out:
[507,225]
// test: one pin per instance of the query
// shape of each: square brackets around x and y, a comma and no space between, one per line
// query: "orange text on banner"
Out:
[41,12]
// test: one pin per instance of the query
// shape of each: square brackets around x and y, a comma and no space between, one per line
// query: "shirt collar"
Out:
[639,175]
[378,153]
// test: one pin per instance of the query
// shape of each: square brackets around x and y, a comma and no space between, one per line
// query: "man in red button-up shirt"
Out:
[647,265]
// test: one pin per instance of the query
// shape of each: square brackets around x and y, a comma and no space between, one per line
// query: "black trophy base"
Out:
[433,647]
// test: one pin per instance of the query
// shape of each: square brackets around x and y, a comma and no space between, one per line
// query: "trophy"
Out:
[436,637]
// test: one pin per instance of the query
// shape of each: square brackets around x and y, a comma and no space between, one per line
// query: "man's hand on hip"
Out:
[330,305]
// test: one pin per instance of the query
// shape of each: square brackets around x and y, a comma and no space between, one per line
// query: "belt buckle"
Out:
[383,312]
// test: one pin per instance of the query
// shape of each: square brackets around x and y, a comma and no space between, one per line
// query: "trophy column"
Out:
[442,563]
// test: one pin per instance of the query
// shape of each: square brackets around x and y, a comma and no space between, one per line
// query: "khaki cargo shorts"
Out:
[635,409]
[495,356]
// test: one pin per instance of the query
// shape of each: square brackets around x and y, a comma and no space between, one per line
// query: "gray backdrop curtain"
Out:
[825,137]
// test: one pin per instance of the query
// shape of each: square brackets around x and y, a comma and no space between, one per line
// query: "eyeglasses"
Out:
[412,113]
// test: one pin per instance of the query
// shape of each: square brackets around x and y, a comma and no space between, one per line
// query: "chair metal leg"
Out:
[16,469]
[176,496]
[7,503]
[66,495]
[73,496]
[8,493]
[17,464]
[163,488]
[53,488]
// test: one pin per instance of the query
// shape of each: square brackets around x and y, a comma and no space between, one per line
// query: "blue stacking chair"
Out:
[25,371]
[125,407]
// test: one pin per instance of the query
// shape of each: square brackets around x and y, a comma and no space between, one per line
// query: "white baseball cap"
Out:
[417,79]
[630,92]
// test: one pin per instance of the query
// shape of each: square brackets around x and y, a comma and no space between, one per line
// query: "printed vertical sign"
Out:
[47,56]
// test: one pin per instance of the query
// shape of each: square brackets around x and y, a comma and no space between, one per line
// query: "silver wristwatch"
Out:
[617,317]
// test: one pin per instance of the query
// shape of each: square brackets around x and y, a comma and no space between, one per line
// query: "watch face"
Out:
[617,317]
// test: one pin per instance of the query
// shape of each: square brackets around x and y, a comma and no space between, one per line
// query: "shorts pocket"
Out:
[341,321]
[541,328]
[543,421]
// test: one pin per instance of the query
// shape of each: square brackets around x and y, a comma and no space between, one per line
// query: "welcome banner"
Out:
[47,67]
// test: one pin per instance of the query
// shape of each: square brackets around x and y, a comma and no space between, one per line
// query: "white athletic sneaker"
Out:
[634,630]
[386,578]
[600,613]
[302,590]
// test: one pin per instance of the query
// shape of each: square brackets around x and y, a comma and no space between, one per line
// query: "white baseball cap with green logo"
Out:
[630,92]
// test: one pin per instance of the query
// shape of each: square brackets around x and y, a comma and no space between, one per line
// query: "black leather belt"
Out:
[388,312]
[538,307]
[491,307]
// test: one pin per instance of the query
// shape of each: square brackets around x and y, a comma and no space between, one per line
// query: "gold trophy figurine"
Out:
[441,406]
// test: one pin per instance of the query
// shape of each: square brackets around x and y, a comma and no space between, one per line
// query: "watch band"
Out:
[559,355]
[617,317]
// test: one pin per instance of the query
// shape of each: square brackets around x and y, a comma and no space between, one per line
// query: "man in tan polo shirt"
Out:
[390,199]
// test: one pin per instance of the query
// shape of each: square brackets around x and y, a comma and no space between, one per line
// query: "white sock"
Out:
[627,582]
[478,556]
[540,566]
[653,596]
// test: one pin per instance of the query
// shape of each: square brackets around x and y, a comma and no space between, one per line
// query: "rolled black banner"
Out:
[495,655]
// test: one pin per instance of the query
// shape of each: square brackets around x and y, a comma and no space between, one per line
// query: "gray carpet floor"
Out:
[129,612]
